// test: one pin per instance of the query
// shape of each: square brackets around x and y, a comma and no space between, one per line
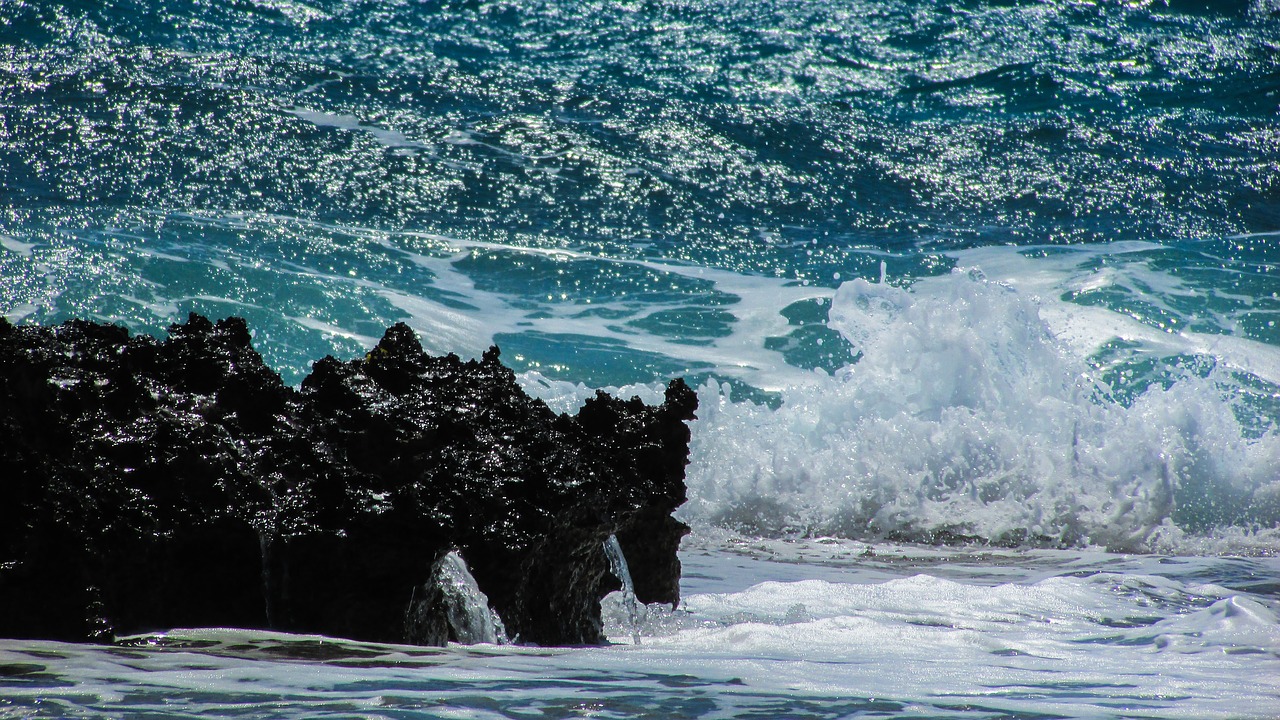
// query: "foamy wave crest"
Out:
[965,419]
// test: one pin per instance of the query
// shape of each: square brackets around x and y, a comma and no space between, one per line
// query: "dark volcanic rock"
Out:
[149,484]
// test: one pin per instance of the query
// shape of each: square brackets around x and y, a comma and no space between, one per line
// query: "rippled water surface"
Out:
[974,274]
[825,629]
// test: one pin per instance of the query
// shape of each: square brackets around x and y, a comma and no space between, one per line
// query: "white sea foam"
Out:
[979,405]
[1084,328]
[741,355]
[966,416]
[15,245]
[389,138]
[1139,636]
[974,412]
[1065,633]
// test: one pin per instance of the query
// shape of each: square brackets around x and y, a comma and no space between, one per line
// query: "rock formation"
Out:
[148,484]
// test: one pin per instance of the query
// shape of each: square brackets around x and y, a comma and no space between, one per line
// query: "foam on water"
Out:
[573,302]
[1119,394]
[1069,634]
[711,190]
[993,403]
[1050,637]
[966,416]
[1135,292]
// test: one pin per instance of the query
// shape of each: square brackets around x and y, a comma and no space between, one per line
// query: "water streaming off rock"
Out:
[631,607]
[471,620]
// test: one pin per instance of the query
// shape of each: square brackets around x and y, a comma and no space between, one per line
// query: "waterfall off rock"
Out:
[632,606]
[467,610]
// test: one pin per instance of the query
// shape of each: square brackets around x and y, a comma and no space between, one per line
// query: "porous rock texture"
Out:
[148,484]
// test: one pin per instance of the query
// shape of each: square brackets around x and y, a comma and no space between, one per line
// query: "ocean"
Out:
[980,300]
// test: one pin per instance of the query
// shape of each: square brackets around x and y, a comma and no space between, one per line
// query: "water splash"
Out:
[966,418]
[467,607]
[633,608]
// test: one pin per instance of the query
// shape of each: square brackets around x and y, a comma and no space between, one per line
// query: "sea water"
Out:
[824,628]
[980,300]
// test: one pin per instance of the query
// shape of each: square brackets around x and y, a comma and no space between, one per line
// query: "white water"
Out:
[966,414]
[984,403]
[1117,395]
[468,611]
[819,629]
[969,414]
[625,603]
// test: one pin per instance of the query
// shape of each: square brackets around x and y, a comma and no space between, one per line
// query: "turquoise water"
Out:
[616,193]
[278,159]
[978,272]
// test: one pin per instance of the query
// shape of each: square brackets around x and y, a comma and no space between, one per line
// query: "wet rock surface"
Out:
[148,484]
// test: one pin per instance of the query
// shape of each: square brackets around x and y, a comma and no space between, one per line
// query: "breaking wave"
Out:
[966,419]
